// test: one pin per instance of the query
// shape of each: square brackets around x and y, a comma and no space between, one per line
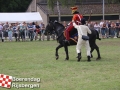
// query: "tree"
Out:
[14,5]
[113,1]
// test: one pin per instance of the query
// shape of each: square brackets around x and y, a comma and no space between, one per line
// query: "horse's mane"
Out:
[59,24]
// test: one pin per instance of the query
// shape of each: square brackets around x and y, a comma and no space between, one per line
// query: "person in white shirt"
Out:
[1,32]
[97,27]
[85,30]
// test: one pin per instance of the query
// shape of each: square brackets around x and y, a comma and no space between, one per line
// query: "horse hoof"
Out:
[66,59]
[89,60]
[98,58]
[57,57]
[78,60]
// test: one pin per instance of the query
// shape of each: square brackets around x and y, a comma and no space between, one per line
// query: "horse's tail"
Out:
[97,35]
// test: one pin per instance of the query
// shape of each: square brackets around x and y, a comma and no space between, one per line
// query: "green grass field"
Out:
[37,60]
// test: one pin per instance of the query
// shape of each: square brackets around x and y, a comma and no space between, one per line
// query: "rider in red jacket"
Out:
[76,18]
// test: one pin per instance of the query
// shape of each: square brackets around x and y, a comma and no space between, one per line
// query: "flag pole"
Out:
[103,10]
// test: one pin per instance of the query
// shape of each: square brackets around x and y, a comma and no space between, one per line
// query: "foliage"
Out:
[113,1]
[14,5]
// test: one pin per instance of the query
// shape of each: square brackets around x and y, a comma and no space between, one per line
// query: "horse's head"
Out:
[55,27]
[50,28]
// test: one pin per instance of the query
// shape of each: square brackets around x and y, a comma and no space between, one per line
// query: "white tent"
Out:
[20,17]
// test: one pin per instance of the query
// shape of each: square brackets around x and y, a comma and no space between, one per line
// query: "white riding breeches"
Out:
[80,43]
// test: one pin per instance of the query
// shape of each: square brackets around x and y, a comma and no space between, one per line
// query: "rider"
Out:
[76,18]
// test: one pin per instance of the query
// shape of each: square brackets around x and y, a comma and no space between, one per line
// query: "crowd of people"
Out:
[106,28]
[34,31]
[22,31]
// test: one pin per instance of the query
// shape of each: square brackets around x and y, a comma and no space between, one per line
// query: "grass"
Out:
[37,59]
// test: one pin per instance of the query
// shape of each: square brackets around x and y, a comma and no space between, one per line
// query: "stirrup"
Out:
[66,41]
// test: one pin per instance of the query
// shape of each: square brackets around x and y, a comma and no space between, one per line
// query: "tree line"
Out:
[14,5]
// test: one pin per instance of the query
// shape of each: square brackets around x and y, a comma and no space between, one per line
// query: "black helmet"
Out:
[83,21]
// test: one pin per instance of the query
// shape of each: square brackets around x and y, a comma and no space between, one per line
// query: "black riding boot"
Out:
[79,56]
[88,58]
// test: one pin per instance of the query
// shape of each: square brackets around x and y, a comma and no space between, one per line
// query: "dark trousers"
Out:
[31,35]
[117,32]
[22,35]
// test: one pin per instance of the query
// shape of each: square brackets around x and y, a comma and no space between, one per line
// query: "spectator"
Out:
[1,32]
[103,30]
[34,29]
[97,27]
[101,25]
[24,31]
[37,31]
[43,32]
[117,28]
[109,26]
[31,31]
[10,33]
[107,30]
[22,28]
[112,29]
[15,31]
[64,24]
[41,24]
[5,28]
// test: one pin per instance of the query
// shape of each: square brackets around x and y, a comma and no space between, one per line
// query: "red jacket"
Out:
[77,18]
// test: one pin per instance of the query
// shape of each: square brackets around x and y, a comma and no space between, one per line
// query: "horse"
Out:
[58,28]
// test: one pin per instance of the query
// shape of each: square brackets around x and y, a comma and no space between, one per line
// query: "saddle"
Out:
[73,35]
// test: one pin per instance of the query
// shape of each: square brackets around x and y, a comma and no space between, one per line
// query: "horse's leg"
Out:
[56,54]
[98,52]
[92,49]
[66,51]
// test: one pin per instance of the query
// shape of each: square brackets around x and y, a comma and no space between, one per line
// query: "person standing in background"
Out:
[97,27]
[37,31]
[15,31]
[42,32]
[1,32]
[24,31]
[101,26]
[117,28]
[103,30]
[31,31]
[112,29]
[64,24]
[5,29]
[10,33]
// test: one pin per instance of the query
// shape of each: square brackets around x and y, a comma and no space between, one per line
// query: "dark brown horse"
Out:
[59,30]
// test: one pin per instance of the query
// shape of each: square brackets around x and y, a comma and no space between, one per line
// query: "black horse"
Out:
[59,30]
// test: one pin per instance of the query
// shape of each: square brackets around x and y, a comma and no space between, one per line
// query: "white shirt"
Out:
[85,30]
[1,27]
